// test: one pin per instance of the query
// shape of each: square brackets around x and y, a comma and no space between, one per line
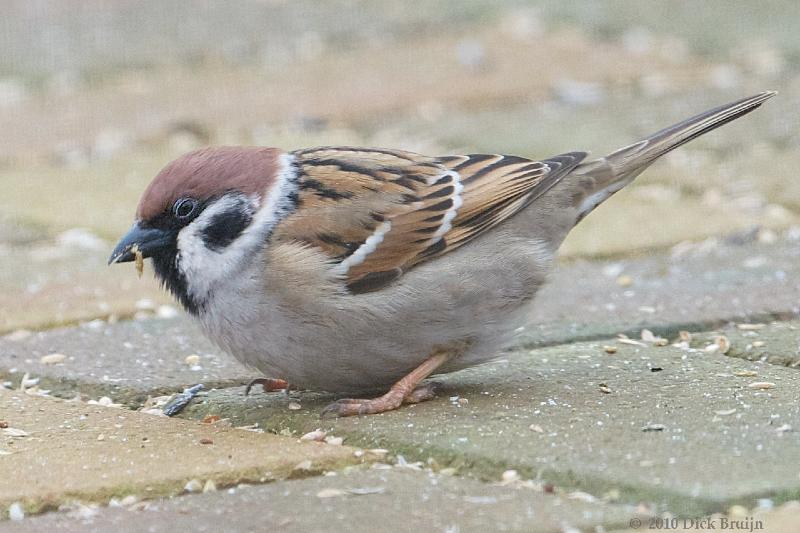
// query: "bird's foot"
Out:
[388,402]
[268,384]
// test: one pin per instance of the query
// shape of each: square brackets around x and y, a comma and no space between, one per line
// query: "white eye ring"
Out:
[184,208]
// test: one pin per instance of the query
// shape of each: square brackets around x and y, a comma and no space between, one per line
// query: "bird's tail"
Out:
[605,176]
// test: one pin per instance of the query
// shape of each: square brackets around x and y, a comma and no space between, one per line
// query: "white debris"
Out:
[193,485]
[53,359]
[16,512]
[510,476]
[192,360]
[331,493]
[761,385]
[15,433]
[317,435]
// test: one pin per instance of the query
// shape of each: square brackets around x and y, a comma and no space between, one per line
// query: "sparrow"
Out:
[348,269]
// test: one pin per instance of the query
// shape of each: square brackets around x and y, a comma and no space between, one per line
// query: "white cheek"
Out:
[200,265]
[203,267]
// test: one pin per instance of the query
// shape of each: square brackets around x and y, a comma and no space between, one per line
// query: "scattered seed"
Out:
[610,349]
[15,433]
[761,385]
[378,451]
[624,281]
[331,493]
[605,389]
[303,465]
[750,327]
[784,428]
[105,401]
[317,435]
[509,476]
[334,441]
[723,343]
[581,496]
[623,339]
[648,336]
[725,412]
[16,512]
[654,427]
[193,485]
[101,437]
[758,344]
[537,428]
[365,491]
[128,500]
[746,373]
[206,441]
[684,336]
[294,406]
[139,259]
[192,360]
[52,359]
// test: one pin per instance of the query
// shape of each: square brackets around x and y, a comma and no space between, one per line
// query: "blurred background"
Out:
[97,95]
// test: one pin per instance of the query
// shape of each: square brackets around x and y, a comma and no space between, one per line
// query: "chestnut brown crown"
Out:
[208,172]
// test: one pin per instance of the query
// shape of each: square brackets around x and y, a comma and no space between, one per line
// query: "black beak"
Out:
[146,240]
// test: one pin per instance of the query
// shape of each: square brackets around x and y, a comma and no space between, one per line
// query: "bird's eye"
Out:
[184,208]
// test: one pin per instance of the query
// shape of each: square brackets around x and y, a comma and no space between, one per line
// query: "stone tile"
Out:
[673,427]
[353,501]
[127,361]
[708,284]
[775,342]
[50,284]
[78,451]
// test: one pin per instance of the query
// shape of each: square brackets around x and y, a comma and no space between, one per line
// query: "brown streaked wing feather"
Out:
[348,195]
[496,187]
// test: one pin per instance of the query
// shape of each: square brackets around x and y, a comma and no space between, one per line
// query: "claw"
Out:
[268,384]
[388,402]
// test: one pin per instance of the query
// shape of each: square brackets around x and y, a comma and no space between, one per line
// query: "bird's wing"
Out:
[376,213]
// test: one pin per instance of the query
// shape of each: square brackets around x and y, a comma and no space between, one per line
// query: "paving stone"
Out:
[50,284]
[682,429]
[73,450]
[353,501]
[698,288]
[127,361]
[775,343]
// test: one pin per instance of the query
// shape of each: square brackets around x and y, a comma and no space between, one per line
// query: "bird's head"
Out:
[207,214]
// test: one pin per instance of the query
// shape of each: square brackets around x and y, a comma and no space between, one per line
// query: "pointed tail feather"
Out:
[613,172]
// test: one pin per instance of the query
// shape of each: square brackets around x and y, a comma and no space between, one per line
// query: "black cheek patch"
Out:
[224,228]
